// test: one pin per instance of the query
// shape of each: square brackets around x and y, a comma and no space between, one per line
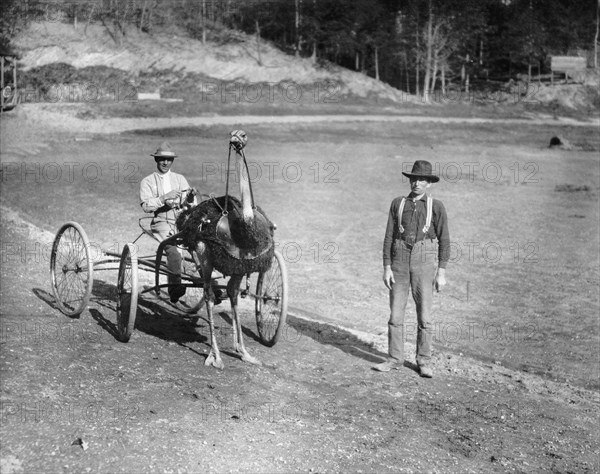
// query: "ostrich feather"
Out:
[254,238]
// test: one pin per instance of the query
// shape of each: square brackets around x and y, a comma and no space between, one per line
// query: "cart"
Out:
[73,264]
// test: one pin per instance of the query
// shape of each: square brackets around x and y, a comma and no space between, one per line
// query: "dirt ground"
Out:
[516,356]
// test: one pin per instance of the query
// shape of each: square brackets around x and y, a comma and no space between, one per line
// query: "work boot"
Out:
[426,371]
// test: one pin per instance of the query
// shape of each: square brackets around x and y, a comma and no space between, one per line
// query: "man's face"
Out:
[163,164]
[419,185]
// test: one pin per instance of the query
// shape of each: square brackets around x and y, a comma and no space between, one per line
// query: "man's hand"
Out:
[440,279]
[388,277]
[169,198]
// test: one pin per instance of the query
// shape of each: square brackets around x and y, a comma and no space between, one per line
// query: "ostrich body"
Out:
[235,241]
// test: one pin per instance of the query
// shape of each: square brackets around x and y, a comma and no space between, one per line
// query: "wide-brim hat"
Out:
[422,169]
[164,151]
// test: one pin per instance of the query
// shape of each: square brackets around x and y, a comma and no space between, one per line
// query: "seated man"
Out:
[161,193]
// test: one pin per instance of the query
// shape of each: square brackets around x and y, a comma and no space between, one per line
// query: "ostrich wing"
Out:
[245,241]
[236,247]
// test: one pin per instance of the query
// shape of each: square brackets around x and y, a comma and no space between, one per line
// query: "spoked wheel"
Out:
[271,301]
[127,292]
[194,295]
[72,269]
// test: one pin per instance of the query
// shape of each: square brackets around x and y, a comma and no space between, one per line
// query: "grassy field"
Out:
[524,220]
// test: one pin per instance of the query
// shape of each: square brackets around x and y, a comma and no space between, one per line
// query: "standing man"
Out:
[161,194]
[416,236]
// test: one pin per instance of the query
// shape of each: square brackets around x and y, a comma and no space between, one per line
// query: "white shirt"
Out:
[165,181]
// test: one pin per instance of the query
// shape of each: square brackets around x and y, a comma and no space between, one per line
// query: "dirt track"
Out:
[65,121]
[314,406]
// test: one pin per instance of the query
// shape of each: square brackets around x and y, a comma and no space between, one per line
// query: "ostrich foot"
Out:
[215,361]
[248,358]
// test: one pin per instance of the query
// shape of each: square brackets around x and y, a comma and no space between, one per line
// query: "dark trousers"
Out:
[414,269]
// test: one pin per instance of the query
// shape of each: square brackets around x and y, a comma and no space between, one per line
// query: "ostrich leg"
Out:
[205,267]
[233,290]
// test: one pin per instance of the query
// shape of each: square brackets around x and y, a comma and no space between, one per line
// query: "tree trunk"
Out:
[481,52]
[89,19]
[297,24]
[596,36]
[427,80]
[468,59]
[150,11]
[203,13]
[407,75]
[434,72]
[142,15]
[314,51]
[258,43]
[443,78]
[376,63]
[356,61]
[418,62]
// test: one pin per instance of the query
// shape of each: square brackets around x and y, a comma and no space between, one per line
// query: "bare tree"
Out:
[429,44]
[297,25]
[258,44]
[596,36]
[418,54]
[203,14]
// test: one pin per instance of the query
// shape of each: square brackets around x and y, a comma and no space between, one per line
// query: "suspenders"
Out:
[427,220]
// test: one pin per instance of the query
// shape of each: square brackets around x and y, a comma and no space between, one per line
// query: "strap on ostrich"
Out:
[223,237]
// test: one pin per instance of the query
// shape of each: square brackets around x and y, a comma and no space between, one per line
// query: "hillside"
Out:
[235,71]
[231,74]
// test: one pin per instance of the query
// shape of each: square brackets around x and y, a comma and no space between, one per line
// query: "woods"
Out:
[424,45]
[419,46]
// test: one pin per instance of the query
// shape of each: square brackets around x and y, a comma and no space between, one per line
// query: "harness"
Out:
[429,205]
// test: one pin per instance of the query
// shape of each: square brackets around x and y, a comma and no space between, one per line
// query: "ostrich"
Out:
[235,238]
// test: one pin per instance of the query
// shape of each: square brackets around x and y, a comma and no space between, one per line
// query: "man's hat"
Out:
[422,169]
[164,151]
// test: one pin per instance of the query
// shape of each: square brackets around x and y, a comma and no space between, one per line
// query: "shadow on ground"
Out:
[326,333]
[156,318]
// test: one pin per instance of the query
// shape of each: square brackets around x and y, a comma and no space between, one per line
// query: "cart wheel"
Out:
[127,292]
[72,269]
[194,295]
[271,301]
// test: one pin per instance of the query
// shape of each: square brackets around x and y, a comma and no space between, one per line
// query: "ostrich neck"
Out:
[247,212]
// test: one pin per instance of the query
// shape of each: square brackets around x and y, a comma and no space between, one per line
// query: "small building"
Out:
[571,66]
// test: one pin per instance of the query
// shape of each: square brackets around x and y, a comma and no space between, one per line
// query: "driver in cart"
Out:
[165,193]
